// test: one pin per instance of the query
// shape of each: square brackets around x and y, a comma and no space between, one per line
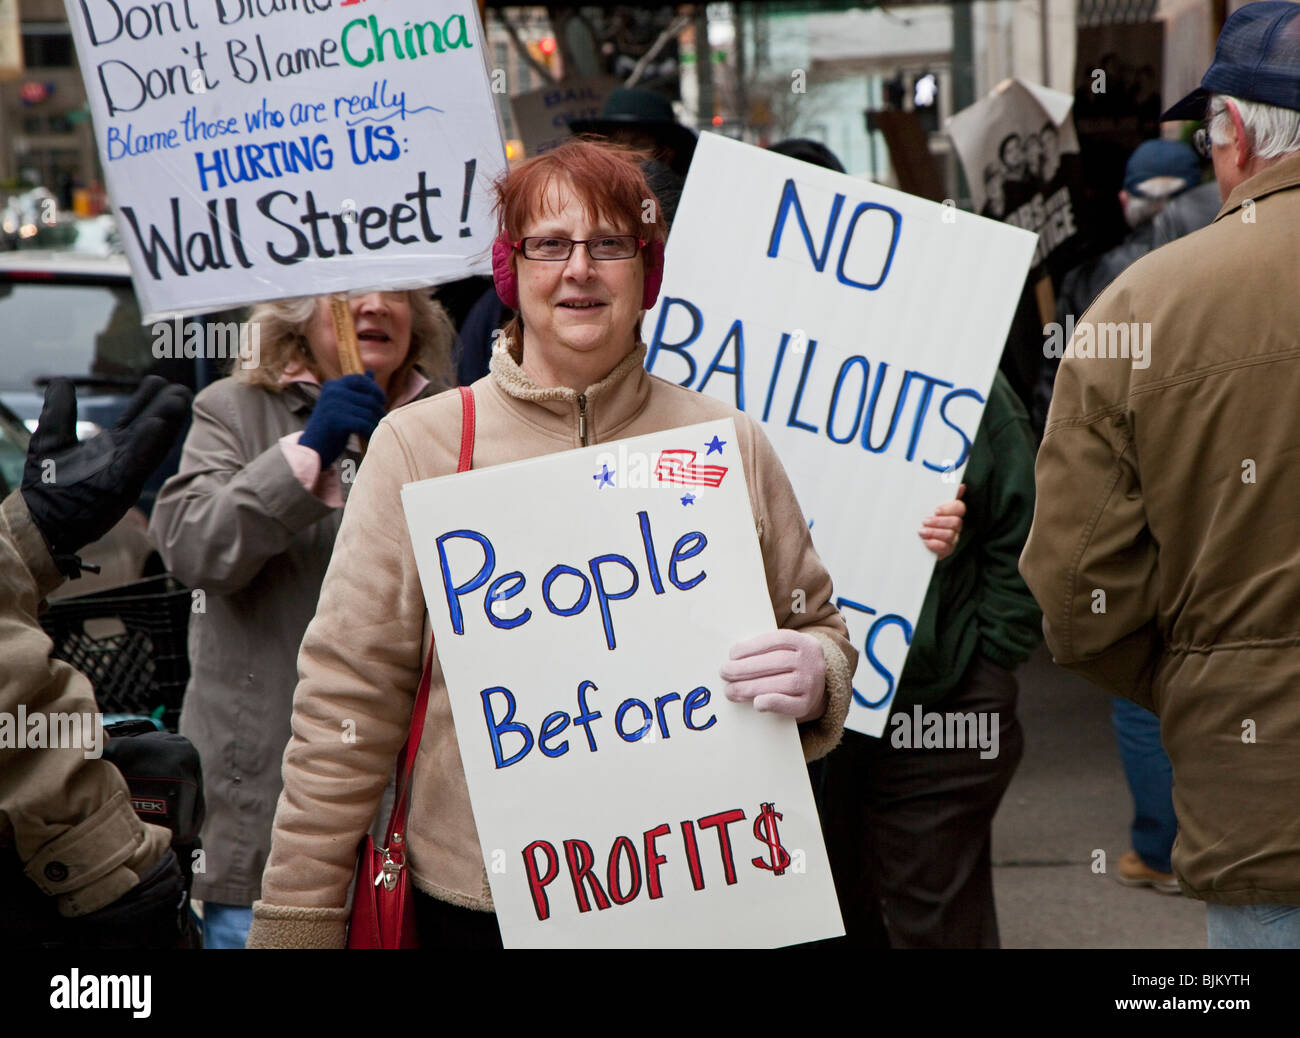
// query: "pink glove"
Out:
[941,529]
[783,672]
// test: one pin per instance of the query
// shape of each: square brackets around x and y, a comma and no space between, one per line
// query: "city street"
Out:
[1068,800]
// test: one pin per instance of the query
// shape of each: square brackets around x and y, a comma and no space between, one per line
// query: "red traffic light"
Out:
[546,45]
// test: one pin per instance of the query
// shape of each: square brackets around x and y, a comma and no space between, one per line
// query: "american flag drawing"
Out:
[680,467]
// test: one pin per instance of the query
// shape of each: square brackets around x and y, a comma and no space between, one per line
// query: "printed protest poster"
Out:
[261,150]
[542,117]
[1020,153]
[862,326]
[582,604]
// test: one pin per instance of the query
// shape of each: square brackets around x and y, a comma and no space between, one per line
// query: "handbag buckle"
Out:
[389,871]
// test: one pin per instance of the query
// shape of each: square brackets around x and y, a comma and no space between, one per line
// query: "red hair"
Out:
[605,177]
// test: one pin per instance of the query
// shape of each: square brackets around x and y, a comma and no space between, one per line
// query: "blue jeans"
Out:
[225,926]
[1150,780]
[1253,926]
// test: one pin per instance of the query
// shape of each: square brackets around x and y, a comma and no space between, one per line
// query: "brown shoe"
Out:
[1133,872]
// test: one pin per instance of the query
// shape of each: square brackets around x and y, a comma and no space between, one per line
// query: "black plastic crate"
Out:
[130,641]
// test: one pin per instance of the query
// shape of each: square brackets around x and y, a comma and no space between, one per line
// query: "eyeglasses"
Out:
[1202,143]
[607,247]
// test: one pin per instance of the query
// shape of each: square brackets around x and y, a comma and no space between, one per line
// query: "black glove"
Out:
[152,914]
[89,486]
[347,405]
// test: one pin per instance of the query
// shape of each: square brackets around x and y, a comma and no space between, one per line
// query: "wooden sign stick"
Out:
[345,334]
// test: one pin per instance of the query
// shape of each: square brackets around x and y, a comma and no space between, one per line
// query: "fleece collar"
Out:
[610,404]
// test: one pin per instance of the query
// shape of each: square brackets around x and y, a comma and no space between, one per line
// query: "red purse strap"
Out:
[406,758]
[466,429]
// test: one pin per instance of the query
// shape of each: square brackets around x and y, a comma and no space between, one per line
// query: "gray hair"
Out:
[1272,131]
[283,338]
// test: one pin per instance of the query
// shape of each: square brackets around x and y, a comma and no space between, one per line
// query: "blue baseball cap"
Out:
[1161,158]
[1257,59]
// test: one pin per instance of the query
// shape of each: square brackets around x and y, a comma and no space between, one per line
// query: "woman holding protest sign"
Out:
[580,264]
[249,522]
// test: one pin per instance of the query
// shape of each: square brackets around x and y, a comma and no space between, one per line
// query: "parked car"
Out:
[75,316]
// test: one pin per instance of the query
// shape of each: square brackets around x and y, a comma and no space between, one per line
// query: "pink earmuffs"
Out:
[508,285]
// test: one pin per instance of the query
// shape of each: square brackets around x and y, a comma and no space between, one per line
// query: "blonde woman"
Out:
[249,521]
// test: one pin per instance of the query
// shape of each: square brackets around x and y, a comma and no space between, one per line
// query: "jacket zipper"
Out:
[582,418]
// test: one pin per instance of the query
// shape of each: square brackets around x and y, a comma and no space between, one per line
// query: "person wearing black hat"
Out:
[643,119]
[1165,548]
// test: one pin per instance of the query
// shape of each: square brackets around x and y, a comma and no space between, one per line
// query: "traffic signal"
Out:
[543,51]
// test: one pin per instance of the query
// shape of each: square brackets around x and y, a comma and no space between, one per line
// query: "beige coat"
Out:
[362,655]
[1165,549]
[68,818]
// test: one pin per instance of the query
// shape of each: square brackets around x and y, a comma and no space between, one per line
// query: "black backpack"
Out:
[163,773]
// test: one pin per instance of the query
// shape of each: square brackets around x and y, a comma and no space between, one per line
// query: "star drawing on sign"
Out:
[605,477]
[688,498]
[715,446]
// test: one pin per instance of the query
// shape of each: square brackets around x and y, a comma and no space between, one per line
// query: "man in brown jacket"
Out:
[77,867]
[1166,534]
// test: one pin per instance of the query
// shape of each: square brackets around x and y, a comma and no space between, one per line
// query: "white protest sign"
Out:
[582,607]
[257,149]
[863,327]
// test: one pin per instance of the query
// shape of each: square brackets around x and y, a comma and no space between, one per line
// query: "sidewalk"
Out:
[1067,800]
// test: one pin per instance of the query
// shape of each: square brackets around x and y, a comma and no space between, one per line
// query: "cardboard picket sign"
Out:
[582,604]
[863,327]
[255,152]
[542,116]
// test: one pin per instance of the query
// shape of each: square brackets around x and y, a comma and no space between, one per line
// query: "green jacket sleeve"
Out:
[1006,613]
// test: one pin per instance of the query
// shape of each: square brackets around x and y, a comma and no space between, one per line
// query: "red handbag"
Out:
[383,905]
